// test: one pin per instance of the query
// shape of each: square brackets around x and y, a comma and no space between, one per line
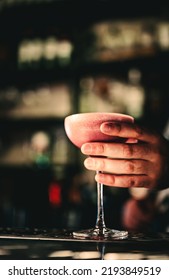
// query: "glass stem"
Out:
[100,224]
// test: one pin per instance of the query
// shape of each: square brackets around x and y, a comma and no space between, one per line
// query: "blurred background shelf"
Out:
[62,57]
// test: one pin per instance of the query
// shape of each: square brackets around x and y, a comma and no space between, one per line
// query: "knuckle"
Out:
[129,166]
[110,180]
[127,151]
[100,149]
[101,164]
[131,183]
[138,182]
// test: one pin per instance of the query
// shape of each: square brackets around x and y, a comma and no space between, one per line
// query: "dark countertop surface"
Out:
[59,244]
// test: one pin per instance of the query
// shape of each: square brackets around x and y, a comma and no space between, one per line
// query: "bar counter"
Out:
[43,244]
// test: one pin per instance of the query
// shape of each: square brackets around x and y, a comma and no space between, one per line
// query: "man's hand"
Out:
[140,160]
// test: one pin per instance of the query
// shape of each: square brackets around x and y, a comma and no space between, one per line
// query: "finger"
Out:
[116,166]
[124,181]
[129,130]
[119,150]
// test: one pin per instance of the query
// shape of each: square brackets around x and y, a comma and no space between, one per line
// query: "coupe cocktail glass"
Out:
[83,128]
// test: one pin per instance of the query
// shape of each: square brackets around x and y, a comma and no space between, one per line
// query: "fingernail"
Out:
[86,149]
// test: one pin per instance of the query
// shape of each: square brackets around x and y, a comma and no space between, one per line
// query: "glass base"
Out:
[100,234]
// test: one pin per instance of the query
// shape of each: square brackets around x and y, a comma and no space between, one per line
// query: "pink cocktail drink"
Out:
[85,127]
